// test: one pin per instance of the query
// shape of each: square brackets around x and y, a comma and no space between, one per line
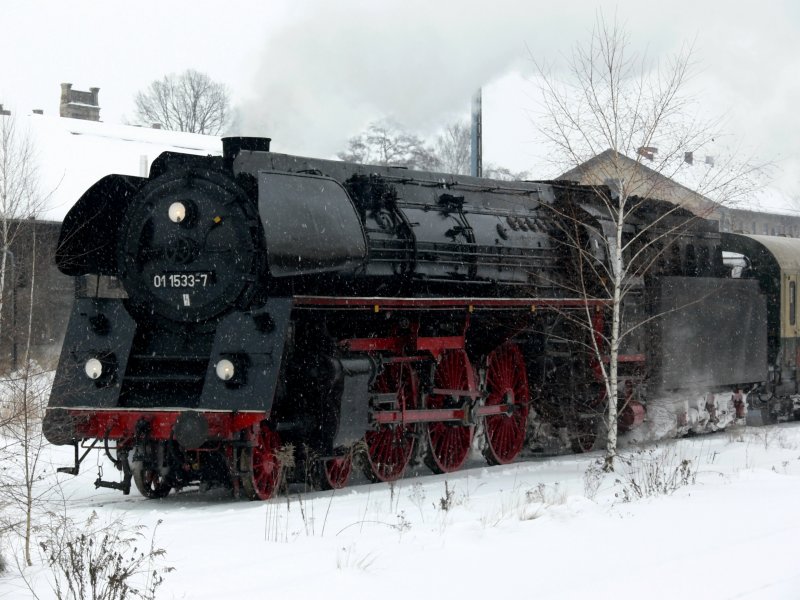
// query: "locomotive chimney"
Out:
[232,146]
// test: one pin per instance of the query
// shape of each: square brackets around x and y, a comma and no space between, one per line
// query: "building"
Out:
[35,294]
[765,212]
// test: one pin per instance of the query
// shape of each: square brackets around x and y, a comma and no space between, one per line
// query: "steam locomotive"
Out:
[257,318]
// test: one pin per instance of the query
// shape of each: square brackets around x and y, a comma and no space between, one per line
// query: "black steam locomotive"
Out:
[253,316]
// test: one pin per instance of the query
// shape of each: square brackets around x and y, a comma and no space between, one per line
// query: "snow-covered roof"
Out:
[72,154]
[749,192]
[714,179]
[770,200]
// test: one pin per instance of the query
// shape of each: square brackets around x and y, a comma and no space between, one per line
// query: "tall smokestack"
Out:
[476,146]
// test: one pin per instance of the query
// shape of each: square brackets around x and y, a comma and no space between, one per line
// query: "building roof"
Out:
[72,154]
[700,175]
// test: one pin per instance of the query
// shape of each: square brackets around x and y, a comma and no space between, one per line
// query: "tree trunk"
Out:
[613,365]
[30,445]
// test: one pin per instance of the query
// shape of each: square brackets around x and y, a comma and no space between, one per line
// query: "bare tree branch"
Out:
[190,101]
[602,118]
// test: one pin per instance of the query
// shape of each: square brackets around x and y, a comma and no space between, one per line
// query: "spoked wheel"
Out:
[151,475]
[506,383]
[390,447]
[334,473]
[448,442]
[260,465]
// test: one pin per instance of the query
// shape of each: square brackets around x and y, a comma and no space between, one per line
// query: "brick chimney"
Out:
[647,152]
[77,104]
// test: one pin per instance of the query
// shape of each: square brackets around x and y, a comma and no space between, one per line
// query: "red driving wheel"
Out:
[390,447]
[506,383]
[449,442]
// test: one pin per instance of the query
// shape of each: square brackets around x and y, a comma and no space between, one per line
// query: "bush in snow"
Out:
[103,561]
[654,472]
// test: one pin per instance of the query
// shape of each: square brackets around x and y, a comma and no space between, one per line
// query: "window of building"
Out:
[691,260]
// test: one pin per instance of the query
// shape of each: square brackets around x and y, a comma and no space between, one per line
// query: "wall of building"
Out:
[34,288]
[760,223]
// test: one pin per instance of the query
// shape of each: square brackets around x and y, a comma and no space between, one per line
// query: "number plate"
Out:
[198,279]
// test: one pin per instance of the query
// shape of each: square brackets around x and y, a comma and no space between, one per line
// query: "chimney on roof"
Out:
[688,158]
[4,113]
[709,160]
[648,152]
[76,104]
[38,111]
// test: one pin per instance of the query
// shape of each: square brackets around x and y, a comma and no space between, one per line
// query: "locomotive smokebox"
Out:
[232,146]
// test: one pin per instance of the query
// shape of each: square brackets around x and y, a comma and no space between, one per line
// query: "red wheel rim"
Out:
[449,443]
[336,472]
[260,464]
[506,383]
[390,447]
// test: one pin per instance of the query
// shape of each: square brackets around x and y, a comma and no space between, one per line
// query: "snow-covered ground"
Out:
[548,528]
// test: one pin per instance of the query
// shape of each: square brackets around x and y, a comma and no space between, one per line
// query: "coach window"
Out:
[792,302]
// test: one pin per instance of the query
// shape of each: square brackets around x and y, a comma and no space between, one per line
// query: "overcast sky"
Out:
[311,73]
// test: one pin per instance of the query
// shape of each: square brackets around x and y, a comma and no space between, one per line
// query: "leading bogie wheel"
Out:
[151,474]
[260,464]
[449,442]
[389,448]
[506,383]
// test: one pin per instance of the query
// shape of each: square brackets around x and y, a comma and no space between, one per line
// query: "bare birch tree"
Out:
[627,125]
[23,392]
[26,390]
[190,101]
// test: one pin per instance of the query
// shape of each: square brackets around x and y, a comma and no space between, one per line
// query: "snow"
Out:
[72,154]
[548,528]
